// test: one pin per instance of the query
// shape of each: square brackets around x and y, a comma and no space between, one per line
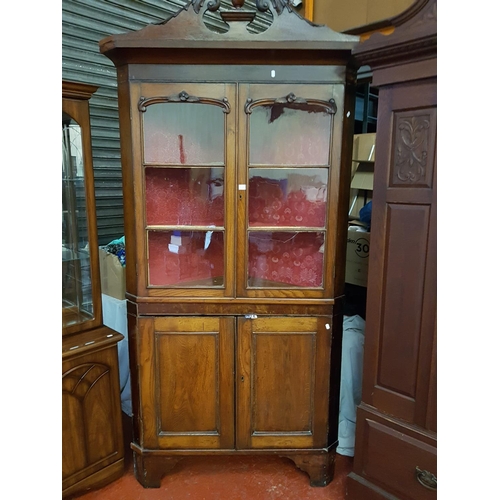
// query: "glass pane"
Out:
[281,135]
[186,258]
[183,134]
[185,196]
[287,197]
[284,259]
[76,280]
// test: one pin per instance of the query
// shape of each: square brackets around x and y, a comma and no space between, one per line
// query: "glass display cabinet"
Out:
[235,153]
[92,452]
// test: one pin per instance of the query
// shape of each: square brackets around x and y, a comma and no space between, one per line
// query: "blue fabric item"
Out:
[117,247]
[365,214]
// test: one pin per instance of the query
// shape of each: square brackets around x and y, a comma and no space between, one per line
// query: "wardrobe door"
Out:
[401,303]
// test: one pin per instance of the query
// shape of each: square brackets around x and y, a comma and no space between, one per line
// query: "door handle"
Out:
[426,479]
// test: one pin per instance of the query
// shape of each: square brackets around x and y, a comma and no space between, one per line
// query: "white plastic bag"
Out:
[350,381]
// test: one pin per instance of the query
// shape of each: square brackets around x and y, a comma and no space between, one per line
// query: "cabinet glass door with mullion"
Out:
[187,136]
[287,190]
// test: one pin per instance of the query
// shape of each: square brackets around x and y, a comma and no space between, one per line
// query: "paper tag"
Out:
[242,187]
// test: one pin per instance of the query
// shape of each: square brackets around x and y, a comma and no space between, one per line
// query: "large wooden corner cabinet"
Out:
[235,154]
[396,430]
[92,441]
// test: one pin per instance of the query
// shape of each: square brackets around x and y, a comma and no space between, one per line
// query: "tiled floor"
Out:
[227,478]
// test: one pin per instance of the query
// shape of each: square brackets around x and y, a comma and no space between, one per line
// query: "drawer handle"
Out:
[426,479]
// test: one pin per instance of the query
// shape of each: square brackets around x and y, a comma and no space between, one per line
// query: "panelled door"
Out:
[401,319]
[187,381]
[282,381]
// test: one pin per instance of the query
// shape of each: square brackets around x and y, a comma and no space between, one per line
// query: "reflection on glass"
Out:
[186,258]
[277,259]
[287,197]
[281,135]
[185,196]
[76,279]
[183,134]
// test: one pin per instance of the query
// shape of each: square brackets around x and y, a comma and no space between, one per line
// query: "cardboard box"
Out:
[358,252]
[362,173]
[363,147]
[112,275]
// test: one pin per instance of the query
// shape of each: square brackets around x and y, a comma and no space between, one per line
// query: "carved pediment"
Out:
[188,29]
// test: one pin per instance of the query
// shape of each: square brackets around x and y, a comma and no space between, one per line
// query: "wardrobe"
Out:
[396,429]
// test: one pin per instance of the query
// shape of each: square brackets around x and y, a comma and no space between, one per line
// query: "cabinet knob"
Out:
[426,479]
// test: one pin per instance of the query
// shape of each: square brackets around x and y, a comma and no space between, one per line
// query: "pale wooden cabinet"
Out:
[92,441]
[236,162]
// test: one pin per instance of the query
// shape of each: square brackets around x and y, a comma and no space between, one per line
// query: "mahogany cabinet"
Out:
[396,430]
[236,160]
[92,442]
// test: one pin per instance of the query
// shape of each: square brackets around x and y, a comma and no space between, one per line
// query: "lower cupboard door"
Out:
[282,382]
[187,382]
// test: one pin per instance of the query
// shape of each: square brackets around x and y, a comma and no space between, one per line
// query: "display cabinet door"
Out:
[81,306]
[282,382]
[183,187]
[288,183]
[186,381]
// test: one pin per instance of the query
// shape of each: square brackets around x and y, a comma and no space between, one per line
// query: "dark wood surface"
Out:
[396,433]
[206,377]
[92,442]
[92,439]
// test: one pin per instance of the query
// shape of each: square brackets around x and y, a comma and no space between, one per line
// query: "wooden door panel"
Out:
[280,391]
[282,381]
[190,400]
[196,354]
[402,281]
[91,430]
[406,256]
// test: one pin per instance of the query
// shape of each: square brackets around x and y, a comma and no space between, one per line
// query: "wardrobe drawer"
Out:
[393,460]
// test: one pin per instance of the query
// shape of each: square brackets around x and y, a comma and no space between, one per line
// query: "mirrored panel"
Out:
[185,196]
[183,134]
[286,135]
[186,258]
[287,197]
[285,259]
[76,276]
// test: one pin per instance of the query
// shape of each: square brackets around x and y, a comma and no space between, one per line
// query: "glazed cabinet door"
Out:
[282,381]
[288,182]
[182,180]
[186,377]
